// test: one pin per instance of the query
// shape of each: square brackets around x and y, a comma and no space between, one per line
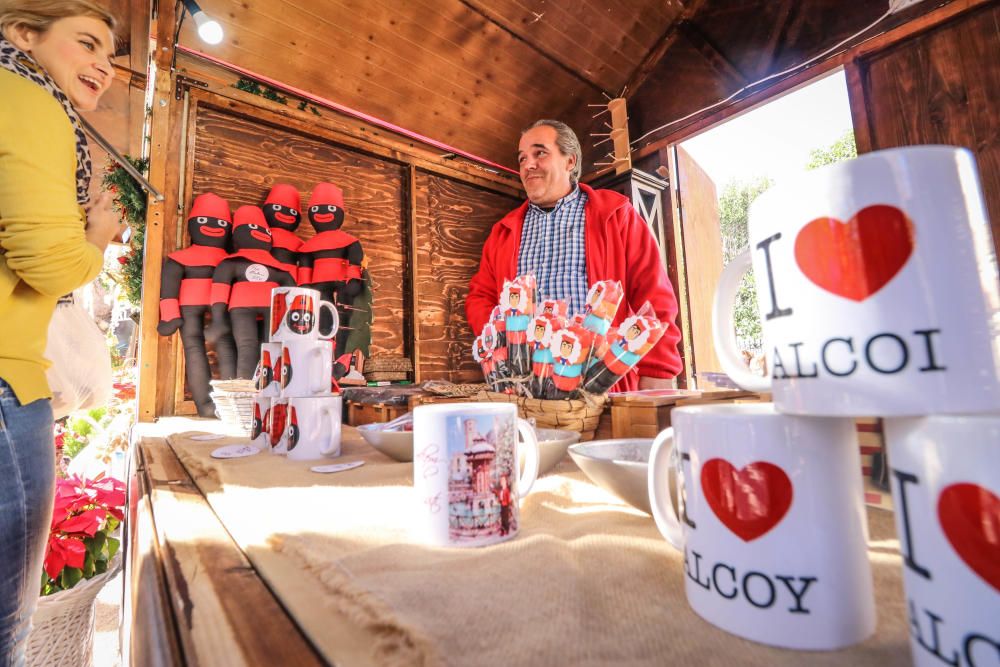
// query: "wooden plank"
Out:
[543,47]
[699,215]
[414,257]
[453,221]
[753,97]
[156,212]
[349,132]
[225,614]
[655,54]
[718,60]
[942,88]
[149,632]
[855,73]
[686,348]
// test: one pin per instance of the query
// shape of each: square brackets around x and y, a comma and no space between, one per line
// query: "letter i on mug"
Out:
[772,523]
[878,290]
[945,478]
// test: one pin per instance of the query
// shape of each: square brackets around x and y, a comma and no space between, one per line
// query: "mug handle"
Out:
[658,481]
[323,386]
[333,444]
[336,320]
[531,457]
[722,326]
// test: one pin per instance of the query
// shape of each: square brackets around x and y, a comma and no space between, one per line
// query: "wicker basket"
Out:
[234,403]
[62,633]
[581,416]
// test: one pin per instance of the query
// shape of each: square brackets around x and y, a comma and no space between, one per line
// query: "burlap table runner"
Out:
[589,581]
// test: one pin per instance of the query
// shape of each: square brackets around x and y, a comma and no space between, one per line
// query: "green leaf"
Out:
[88,565]
[71,576]
[113,545]
[96,543]
[101,566]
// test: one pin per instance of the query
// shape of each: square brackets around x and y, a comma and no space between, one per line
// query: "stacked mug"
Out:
[296,413]
[879,296]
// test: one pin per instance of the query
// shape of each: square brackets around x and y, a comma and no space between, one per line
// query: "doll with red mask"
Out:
[283,211]
[241,287]
[186,296]
[331,260]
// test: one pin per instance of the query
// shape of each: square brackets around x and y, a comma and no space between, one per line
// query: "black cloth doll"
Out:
[283,212]
[241,288]
[185,296]
[331,260]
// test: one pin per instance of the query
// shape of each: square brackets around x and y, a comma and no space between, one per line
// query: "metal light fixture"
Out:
[209,29]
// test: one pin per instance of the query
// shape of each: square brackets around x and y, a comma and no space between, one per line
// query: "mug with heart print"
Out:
[877,285]
[944,471]
[295,315]
[772,523]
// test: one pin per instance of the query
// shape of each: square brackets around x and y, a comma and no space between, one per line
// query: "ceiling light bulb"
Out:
[209,30]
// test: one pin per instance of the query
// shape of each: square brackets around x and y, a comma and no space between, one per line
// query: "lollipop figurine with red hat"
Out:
[570,347]
[241,287]
[331,261]
[283,212]
[635,336]
[186,295]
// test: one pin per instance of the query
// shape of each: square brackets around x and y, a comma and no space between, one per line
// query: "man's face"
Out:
[545,171]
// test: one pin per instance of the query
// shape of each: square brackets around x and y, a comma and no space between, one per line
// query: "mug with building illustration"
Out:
[465,472]
[877,285]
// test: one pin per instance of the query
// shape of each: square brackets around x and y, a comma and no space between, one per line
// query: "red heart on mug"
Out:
[855,259]
[749,501]
[970,519]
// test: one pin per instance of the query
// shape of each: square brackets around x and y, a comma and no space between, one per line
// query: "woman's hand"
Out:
[104,223]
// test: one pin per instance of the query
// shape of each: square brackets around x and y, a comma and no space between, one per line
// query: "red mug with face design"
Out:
[295,315]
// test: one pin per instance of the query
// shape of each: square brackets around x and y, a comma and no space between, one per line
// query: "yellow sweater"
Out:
[44,252]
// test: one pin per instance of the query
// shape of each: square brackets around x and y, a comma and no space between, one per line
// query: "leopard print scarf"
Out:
[22,64]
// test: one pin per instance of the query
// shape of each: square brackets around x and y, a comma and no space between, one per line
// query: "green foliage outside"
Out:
[81,426]
[843,148]
[734,205]
[130,199]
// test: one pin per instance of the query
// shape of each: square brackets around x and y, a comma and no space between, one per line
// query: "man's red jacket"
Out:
[618,246]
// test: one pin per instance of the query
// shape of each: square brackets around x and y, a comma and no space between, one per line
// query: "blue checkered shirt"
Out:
[552,248]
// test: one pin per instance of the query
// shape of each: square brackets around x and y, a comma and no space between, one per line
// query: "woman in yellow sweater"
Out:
[54,60]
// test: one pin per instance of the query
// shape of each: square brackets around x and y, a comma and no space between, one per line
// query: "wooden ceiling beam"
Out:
[495,20]
[663,44]
[788,12]
[718,60]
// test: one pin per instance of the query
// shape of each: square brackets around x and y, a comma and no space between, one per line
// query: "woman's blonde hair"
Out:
[39,15]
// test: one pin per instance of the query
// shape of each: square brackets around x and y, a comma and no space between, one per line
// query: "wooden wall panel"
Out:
[941,87]
[452,221]
[699,213]
[240,158]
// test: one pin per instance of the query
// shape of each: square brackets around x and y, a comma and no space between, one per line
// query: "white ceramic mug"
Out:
[313,430]
[772,524]
[465,472]
[306,368]
[268,376]
[259,434]
[277,425]
[877,285]
[945,477]
[295,315]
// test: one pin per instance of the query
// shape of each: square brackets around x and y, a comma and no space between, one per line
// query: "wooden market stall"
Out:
[414,109]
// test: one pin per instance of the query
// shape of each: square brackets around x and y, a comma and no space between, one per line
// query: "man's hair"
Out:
[566,141]
[39,15]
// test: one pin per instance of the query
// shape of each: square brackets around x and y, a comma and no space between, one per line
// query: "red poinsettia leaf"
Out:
[76,552]
[87,522]
[55,559]
[116,513]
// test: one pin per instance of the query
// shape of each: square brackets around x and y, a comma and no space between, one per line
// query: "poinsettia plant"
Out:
[86,514]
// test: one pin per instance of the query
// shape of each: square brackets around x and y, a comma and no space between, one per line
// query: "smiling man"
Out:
[571,236]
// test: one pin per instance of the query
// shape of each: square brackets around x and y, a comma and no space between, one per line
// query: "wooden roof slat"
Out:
[787,14]
[718,60]
[656,53]
[501,23]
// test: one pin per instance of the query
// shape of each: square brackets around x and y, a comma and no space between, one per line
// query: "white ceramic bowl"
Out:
[396,445]
[552,445]
[619,466]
